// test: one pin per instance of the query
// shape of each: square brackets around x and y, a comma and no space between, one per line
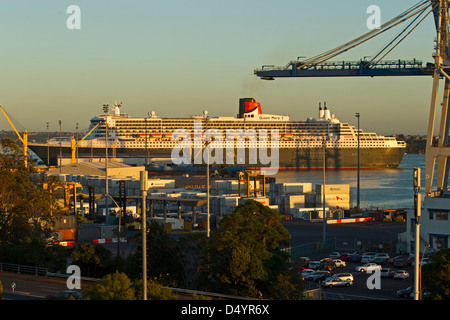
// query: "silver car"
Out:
[336,282]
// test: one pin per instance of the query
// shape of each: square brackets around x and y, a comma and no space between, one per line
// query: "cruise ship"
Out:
[252,139]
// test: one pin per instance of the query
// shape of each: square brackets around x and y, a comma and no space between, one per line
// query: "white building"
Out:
[434,223]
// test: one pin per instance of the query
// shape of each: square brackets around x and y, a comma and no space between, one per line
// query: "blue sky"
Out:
[179,58]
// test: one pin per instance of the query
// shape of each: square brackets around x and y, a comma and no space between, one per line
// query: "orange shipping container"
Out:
[68,234]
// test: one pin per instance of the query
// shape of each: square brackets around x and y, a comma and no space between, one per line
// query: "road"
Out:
[30,287]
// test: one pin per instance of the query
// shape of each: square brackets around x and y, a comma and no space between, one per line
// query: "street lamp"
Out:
[417,213]
[48,145]
[60,147]
[106,110]
[77,142]
[207,179]
[358,179]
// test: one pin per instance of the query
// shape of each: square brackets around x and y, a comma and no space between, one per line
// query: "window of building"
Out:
[442,215]
[438,214]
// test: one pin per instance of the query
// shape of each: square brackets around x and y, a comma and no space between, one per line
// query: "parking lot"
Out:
[385,289]
[350,234]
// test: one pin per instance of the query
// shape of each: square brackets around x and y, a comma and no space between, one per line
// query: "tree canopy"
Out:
[244,256]
[436,275]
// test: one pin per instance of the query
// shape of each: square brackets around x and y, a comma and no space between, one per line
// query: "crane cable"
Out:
[418,8]
[404,37]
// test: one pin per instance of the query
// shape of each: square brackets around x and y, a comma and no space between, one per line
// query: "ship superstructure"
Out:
[299,144]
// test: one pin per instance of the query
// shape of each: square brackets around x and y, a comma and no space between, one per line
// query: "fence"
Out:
[311,249]
[17,268]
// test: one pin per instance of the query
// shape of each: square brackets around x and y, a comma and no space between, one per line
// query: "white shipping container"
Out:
[296,187]
[333,189]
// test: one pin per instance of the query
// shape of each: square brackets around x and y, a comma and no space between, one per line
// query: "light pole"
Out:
[60,147]
[77,142]
[105,109]
[358,179]
[417,212]
[324,223]
[207,181]
[48,145]
[143,176]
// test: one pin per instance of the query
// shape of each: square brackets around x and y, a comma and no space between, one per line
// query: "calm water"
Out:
[379,188]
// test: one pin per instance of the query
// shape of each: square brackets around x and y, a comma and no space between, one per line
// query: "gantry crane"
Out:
[320,66]
[23,139]
[74,144]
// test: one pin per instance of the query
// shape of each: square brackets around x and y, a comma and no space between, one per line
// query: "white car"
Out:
[381,258]
[368,257]
[343,276]
[306,272]
[368,267]
[336,282]
[338,263]
[334,255]
[401,274]
[314,265]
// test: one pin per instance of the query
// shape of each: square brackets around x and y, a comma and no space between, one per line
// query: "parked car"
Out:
[318,275]
[387,272]
[345,256]
[314,265]
[401,263]
[392,260]
[343,276]
[303,261]
[381,258]
[368,257]
[368,267]
[331,282]
[401,274]
[306,272]
[334,255]
[327,264]
[338,263]
[424,261]
[300,269]
[404,293]
[355,257]
[68,295]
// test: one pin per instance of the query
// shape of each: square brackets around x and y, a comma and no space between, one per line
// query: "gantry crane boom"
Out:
[437,156]
[321,65]
[23,139]
[74,144]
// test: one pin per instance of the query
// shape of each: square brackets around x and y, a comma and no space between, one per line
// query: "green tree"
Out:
[244,254]
[116,286]
[93,259]
[25,208]
[436,275]
[163,258]
[155,291]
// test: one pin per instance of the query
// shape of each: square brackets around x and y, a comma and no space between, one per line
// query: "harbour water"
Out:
[379,188]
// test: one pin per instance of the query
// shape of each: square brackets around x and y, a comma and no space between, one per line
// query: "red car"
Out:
[345,256]
[402,257]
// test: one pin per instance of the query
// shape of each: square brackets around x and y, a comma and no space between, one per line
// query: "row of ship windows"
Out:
[316,145]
